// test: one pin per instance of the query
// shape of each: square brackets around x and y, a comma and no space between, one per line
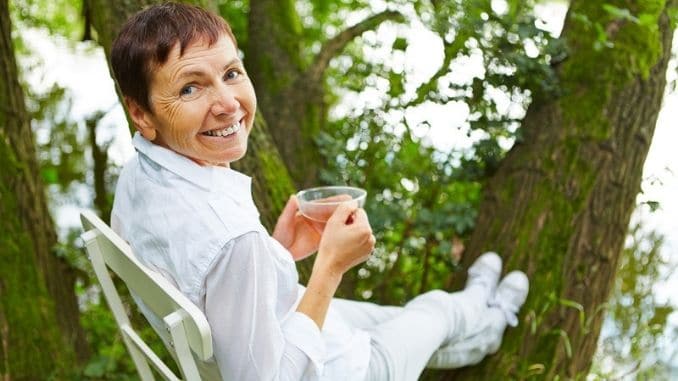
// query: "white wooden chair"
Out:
[183,327]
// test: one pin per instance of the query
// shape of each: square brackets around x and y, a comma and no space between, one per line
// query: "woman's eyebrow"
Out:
[190,73]
[232,62]
[200,72]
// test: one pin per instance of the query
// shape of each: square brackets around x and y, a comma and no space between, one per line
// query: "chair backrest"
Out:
[186,329]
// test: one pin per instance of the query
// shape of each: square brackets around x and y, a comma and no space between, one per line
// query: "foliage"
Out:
[235,12]
[418,204]
[324,19]
[64,145]
[421,200]
[634,340]
[59,17]
[61,146]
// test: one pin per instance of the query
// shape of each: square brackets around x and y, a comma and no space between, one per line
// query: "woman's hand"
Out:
[346,242]
[296,233]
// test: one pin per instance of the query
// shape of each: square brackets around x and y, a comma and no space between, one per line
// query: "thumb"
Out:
[289,211]
[291,206]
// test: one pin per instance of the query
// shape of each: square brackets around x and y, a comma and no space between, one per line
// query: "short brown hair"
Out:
[147,38]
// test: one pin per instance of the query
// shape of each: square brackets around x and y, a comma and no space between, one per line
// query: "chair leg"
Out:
[175,325]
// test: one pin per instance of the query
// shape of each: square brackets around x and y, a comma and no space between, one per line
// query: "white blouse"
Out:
[199,227]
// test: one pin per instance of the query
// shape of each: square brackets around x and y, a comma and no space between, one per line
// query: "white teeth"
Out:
[225,132]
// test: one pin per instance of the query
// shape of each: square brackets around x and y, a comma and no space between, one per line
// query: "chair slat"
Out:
[186,325]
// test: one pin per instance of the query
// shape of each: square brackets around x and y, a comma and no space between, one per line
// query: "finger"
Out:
[284,226]
[360,217]
[368,246]
[372,240]
[290,208]
[292,203]
[343,212]
[369,241]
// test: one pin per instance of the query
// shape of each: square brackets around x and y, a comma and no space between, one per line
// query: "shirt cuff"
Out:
[302,332]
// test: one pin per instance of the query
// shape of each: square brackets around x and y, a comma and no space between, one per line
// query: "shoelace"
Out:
[480,278]
[510,310]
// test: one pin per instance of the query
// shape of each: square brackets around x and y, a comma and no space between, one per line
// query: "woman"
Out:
[190,217]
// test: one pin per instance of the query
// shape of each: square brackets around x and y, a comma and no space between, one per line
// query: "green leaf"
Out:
[396,84]
[648,20]
[620,13]
[97,367]
[400,43]
[566,342]
[50,175]
[673,16]
[654,205]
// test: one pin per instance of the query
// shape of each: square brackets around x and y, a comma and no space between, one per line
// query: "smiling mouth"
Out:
[224,132]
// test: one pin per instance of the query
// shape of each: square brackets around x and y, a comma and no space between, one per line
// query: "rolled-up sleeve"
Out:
[303,336]
[248,303]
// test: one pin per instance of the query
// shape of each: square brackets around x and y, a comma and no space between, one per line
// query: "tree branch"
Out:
[451,51]
[336,44]
[424,89]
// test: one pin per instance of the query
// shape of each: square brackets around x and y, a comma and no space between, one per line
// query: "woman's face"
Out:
[203,104]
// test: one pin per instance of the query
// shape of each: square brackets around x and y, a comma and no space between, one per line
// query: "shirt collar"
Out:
[208,177]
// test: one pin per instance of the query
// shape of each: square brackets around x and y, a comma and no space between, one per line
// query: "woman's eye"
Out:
[232,74]
[188,91]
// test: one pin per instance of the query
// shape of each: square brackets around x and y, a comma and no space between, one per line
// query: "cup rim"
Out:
[361,194]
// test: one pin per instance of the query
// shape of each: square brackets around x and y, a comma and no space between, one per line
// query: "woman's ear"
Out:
[142,119]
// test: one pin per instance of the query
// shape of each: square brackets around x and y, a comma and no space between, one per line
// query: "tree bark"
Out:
[272,184]
[273,60]
[559,206]
[40,335]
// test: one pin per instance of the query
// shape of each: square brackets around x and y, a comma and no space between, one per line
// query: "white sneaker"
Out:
[502,309]
[511,295]
[483,275]
[465,306]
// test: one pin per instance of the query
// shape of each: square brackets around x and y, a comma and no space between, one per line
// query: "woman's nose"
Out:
[224,100]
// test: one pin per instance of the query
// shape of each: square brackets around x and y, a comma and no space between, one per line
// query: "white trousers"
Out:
[403,338]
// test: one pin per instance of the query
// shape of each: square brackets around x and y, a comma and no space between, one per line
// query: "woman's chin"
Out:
[230,157]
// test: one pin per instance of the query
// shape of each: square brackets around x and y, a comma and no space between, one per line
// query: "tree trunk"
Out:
[40,335]
[272,184]
[560,204]
[292,104]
